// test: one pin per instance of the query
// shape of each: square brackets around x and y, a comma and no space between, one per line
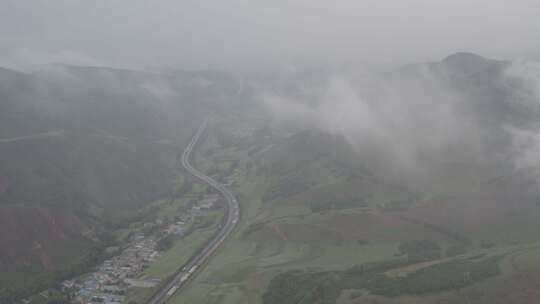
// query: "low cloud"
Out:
[28,60]
[413,128]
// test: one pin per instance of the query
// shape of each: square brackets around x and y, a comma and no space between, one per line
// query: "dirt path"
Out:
[278,231]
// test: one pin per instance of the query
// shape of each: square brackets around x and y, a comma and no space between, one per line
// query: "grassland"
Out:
[182,249]
[247,262]
[280,231]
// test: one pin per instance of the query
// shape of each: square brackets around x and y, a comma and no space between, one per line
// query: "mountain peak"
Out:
[462,56]
[469,62]
[465,60]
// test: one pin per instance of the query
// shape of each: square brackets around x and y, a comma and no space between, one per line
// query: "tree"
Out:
[165,243]
[420,249]
[455,250]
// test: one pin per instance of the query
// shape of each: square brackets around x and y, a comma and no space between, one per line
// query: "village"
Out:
[110,281]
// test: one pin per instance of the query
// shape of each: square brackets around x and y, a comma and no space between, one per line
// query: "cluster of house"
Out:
[177,228]
[108,284]
[207,202]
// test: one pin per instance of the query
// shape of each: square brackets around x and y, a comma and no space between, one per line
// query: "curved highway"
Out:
[196,261]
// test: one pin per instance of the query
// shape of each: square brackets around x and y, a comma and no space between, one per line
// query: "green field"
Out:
[245,265]
[310,214]
[182,250]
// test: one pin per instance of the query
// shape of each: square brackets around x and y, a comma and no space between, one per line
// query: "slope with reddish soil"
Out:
[278,231]
[29,235]
[486,215]
[378,227]
[386,227]
[3,184]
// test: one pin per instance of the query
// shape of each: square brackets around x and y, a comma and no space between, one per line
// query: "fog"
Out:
[415,123]
[406,123]
[250,35]
[351,151]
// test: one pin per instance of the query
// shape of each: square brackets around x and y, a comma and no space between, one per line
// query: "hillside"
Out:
[355,190]
[325,220]
[83,149]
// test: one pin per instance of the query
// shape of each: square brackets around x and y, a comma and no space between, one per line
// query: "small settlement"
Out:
[109,282]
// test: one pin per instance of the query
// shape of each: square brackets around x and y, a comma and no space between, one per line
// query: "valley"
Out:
[263,211]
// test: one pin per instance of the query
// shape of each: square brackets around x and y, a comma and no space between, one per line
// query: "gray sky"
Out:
[252,34]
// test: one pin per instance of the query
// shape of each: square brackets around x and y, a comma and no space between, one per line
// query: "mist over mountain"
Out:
[269,152]
[85,149]
[413,122]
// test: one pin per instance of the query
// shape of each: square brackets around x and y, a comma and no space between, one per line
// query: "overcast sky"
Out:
[239,34]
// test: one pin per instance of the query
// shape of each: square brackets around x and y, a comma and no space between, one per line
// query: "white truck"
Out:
[172,290]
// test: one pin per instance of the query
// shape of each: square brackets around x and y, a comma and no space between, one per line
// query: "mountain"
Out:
[335,172]
[409,193]
[486,84]
[84,148]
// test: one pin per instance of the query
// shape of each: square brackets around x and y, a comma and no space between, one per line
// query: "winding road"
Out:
[197,261]
[32,136]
